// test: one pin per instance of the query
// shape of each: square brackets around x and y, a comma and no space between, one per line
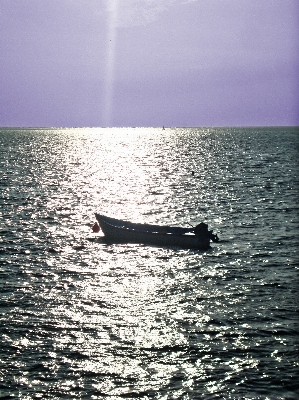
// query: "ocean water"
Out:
[84,319]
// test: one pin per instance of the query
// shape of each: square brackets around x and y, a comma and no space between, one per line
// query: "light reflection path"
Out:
[80,316]
[149,323]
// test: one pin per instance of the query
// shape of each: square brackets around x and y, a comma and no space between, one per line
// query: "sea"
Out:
[82,318]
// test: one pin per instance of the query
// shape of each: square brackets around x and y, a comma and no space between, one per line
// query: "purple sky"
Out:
[149,62]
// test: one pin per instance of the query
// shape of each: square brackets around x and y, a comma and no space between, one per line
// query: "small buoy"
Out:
[96,227]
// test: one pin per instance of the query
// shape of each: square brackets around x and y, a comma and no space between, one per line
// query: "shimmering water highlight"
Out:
[84,319]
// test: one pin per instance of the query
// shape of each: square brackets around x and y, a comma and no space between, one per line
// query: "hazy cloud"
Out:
[140,12]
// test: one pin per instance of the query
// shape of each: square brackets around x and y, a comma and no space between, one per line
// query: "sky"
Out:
[98,63]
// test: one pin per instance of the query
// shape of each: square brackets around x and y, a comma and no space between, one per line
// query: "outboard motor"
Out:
[202,229]
[213,237]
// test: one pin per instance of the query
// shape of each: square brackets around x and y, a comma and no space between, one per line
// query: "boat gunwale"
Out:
[146,228]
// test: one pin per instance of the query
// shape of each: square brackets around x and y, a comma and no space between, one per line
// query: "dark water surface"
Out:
[84,319]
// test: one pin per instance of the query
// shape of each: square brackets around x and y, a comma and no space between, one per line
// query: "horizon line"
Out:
[149,127]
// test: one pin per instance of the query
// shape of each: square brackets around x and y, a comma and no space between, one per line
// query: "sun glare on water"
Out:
[114,172]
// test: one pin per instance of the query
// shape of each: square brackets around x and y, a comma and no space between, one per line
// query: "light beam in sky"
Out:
[149,63]
[112,7]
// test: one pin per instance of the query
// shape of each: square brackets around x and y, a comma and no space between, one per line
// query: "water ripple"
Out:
[84,318]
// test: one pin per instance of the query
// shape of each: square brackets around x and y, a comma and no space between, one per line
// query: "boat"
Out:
[117,230]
